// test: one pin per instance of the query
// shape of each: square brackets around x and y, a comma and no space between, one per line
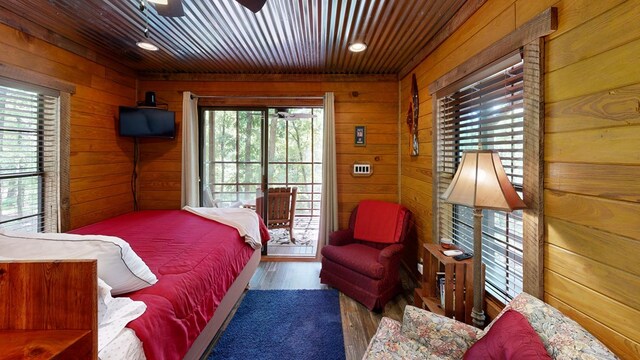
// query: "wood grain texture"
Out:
[56,295]
[618,217]
[610,108]
[589,273]
[591,159]
[375,106]
[605,247]
[46,344]
[607,70]
[618,316]
[608,181]
[616,145]
[533,215]
[94,148]
[573,46]
[541,25]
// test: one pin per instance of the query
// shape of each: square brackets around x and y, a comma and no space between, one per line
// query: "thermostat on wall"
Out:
[362,169]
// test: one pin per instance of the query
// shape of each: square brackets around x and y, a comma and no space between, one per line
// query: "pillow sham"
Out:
[118,265]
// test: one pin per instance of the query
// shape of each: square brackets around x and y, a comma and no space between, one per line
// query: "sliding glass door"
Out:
[232,157]
[240,147]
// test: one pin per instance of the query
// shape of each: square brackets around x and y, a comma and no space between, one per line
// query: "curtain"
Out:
[190,191]
[329,203]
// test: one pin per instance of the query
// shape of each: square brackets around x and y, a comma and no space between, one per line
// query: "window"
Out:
[231,145]
[495,100]
[295,156]
[28,157]
[487,114]
[232,152]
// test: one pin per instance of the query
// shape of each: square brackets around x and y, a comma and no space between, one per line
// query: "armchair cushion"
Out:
[357,257]
[510,338]
[445,337]
[341,237]
[379,221]
[390,252]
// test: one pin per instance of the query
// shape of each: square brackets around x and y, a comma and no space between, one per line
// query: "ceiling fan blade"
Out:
[302,116]
[253,5]
[172,9]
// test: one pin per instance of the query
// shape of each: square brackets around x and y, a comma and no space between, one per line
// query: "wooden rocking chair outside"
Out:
[282,209]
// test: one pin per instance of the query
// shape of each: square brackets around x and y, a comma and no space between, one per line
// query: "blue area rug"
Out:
[284,324]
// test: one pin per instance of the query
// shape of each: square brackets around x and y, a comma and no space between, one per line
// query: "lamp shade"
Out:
[481,182]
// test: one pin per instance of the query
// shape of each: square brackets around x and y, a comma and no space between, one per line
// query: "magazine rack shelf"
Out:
[456,286]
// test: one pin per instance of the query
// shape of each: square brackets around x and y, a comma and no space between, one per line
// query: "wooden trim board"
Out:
[542,25]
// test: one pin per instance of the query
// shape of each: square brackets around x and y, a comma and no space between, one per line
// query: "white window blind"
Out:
[28,157]
[487,114]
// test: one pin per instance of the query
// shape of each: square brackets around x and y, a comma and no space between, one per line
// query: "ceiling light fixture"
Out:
[357,47]
[161,2]
[143,44]
[147,46]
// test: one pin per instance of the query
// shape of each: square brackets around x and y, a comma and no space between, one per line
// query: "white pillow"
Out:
[118,265]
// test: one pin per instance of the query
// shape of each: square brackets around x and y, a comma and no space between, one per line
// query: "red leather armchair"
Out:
[364,270]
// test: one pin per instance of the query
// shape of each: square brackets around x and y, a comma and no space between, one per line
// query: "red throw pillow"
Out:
[511,337]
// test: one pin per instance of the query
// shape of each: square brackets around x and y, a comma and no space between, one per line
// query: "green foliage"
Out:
[232,152]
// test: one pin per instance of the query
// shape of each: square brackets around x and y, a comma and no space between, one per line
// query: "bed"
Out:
[202,268]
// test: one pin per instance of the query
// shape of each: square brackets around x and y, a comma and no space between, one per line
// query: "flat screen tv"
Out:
[147,122]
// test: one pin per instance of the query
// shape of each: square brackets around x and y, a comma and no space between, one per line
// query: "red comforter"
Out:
[195,259]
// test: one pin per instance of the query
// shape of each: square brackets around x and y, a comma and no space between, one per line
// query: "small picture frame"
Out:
[360,135]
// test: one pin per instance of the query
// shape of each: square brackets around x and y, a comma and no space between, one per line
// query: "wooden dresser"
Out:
[48,309]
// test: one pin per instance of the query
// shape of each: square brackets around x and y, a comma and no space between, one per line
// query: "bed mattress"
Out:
[196,260]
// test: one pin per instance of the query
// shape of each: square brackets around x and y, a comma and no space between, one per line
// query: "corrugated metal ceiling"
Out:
[221,36]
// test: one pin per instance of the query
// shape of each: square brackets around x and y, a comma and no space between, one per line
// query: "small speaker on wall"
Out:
[150,98]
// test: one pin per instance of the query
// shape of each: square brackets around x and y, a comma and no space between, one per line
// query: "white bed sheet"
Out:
[126,345]
[115,341]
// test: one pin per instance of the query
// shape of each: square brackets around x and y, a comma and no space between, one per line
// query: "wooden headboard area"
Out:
[48,309]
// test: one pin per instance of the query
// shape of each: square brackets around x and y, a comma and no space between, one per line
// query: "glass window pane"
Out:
[299,173]
[277,140]
[300,140]
[249,136]
[249,173]
[277,174]
[492,118]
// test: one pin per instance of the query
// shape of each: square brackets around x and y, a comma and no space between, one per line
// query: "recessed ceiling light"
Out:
[161,2]
[147,46]
[357,47]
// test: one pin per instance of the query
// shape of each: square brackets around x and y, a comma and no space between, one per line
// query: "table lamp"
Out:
[481,183]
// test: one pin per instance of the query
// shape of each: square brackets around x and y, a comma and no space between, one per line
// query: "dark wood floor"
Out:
[358,323]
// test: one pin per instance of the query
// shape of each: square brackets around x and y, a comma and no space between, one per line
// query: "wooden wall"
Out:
[363,101]
[592,155]
[101,162]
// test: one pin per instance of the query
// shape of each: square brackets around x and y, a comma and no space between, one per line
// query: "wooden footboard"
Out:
[48,309]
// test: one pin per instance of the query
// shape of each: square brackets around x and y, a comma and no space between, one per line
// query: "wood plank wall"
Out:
[360,102]
[101,162]
[592,155]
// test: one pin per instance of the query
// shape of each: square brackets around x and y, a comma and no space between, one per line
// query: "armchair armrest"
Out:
[390,252]
[341,237]
[445,337]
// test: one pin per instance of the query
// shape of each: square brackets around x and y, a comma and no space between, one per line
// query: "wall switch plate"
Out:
[362,169]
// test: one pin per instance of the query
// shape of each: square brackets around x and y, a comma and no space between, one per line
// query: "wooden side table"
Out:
[458,284]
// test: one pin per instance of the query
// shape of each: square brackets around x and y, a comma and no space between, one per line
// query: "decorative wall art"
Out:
[360,135]
[412,117]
